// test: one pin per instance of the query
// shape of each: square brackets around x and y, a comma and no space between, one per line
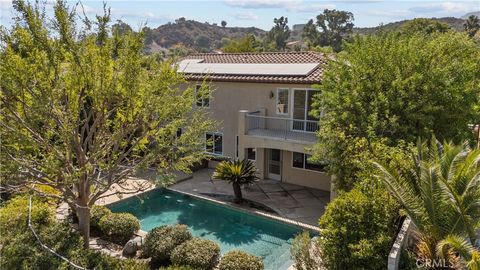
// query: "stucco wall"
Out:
[230,97]
[308,178]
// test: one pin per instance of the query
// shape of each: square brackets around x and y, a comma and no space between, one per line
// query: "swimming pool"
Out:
[230,228]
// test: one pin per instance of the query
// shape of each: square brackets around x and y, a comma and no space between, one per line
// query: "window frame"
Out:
[304,163]
[287,107]
[213,143]
[254,150]
[201,100]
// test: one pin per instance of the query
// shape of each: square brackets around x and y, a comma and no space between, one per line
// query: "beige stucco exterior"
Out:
[230,98]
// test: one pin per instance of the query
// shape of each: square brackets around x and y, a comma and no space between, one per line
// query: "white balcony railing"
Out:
[286,128]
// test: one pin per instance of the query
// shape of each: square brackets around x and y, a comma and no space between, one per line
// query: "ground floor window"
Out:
[252,153]
[301,161]
[214,143]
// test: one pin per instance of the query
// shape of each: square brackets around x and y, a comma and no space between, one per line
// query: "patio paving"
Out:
[290,201]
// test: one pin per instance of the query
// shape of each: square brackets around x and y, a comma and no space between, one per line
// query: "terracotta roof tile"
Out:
[262,58]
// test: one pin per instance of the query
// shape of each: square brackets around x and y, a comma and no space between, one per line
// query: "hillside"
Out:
[196,35]
[455,23]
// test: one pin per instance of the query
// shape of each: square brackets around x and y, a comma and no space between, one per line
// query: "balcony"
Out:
[281,128]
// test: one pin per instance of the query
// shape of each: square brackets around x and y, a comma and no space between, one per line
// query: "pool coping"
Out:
[233,206]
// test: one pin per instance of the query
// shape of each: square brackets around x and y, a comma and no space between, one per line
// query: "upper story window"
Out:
[282,101]
[202,94]
[301,161]
[214,143]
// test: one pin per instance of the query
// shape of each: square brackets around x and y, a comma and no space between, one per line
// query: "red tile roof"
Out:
[261,58]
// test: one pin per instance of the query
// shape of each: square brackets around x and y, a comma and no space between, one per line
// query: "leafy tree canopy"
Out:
[330,29]
[245,44]
[82,109]
[472,25]
[279,33]
[425,26]
[397,87]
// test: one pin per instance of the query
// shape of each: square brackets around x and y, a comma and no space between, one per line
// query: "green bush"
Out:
[96,213]
[197,253]
[160,242]
[176,267]
[239,260]
[302,253]
[14,215]
[358,229]
[119,227]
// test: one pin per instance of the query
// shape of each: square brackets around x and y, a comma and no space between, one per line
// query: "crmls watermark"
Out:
[428,263]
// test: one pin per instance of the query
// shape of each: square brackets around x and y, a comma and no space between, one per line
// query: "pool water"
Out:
[230,228]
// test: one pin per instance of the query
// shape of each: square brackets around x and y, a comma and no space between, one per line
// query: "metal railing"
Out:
[280,127]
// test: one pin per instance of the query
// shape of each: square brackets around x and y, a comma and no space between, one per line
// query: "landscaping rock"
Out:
[130,249]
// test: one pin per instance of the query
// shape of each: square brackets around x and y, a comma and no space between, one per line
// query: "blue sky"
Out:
[260,13]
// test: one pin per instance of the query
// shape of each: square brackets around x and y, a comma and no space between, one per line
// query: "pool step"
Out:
[279,259]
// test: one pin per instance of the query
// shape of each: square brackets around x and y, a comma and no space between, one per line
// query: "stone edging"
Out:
[254,212]
[394,255]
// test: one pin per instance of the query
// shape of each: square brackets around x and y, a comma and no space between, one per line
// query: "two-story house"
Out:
[263,103]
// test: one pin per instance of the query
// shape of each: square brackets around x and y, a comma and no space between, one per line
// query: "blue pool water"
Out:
[230,228]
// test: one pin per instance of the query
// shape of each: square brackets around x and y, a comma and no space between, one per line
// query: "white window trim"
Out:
[255,150]
[196,98]
[288,100]
[214,133]
[304,163]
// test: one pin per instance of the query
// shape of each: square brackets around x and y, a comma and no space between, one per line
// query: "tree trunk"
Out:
[83,214]
[237,190]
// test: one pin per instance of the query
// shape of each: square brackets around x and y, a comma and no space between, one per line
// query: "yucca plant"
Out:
[441,195]
[238,173]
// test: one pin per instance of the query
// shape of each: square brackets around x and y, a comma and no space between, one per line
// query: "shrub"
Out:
[197,253]
[160,242]
[96,213]
[358,229]
[239,260]
[14,215]
[302,253]
[119,227]
[176,267]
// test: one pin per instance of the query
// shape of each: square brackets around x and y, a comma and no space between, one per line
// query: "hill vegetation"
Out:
[198,36]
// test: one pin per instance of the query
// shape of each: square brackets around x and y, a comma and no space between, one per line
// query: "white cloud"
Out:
[254,4]
[445,7]
[288,5]
[311,8]
[246,16]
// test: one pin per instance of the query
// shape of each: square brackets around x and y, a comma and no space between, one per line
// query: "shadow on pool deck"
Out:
[294,202]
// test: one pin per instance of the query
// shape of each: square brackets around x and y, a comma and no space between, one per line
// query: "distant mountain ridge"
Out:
[197,35]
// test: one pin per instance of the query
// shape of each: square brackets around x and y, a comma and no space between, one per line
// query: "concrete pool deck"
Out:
[294,202]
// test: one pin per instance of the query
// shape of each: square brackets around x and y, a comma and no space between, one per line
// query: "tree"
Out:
[238,173]
[121,27]
[82,111]
[203,43]
[357,229]
[424,26]
[245,44]
[395,87]
[440,196]
[330,29]
[472,25]
[224,24]
[279,33]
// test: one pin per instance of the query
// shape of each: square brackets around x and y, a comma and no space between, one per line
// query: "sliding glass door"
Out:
[302,106]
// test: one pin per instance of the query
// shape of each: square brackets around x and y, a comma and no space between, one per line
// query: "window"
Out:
[282,101]
[300,160]
[214,143]
[302,108]
[252,153]
[202,95]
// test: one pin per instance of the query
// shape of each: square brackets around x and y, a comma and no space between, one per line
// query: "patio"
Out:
[294,202]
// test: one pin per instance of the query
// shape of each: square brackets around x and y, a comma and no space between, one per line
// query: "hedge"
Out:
[239,260]
[197,253]
[119,227]
[160,242]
